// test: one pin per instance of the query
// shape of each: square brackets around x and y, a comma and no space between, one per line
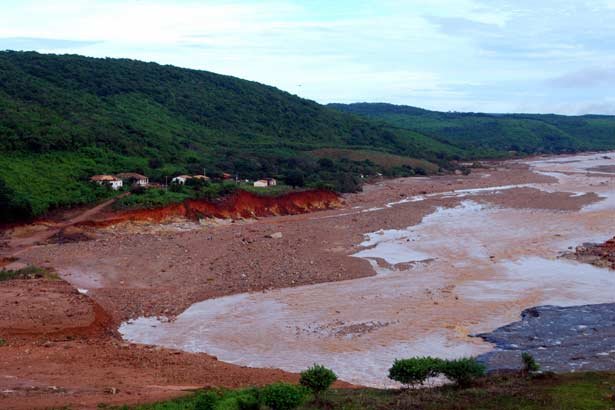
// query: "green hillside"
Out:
[64,118]
[496,134]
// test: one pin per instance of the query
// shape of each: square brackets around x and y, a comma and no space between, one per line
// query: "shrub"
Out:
[529,363]
[414,371]
[29,272]
[317,378]
[248,401]
[137,190]
[206,401]
[282,396]
[2,342]
[462,371]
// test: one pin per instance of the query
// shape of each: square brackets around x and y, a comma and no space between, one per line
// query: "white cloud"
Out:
[482,55]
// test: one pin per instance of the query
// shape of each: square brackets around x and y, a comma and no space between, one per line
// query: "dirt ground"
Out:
[62,346]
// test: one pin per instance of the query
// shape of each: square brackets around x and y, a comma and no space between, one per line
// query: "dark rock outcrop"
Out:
[561,339]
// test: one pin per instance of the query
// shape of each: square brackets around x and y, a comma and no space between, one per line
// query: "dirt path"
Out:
[18,244]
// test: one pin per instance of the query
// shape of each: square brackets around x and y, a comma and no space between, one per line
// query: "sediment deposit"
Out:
[361,283]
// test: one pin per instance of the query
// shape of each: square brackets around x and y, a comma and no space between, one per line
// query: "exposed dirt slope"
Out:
[241,204]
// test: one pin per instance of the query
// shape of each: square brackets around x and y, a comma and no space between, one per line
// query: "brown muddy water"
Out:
[462,270]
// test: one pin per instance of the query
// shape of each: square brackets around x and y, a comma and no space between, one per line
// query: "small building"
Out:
[226,175]
[108,180]
[133,178]
[181,179]
[264,183]
[201,177]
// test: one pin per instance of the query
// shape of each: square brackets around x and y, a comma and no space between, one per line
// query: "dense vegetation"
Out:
[64,118]
[496,135]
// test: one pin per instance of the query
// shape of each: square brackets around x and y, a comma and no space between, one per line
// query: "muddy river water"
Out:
[462,270]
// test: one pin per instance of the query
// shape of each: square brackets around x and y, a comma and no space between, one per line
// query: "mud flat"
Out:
[468,266]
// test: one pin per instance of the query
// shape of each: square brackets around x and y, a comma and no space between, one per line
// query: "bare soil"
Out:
[63,348]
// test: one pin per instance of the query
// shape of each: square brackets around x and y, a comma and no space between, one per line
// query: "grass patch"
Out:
[578,391]
[277,190]
[383,159]
[150,199]
[30,272]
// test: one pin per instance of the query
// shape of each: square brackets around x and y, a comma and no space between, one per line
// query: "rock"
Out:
[275,235]
[557,337]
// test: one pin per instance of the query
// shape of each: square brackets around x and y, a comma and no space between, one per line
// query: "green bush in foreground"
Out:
[282,396]
[317,378]
[414,371]
[462,371]
[248,401]
[529,363]
[206,401]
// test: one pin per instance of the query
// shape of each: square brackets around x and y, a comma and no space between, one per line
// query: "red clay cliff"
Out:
[241,204]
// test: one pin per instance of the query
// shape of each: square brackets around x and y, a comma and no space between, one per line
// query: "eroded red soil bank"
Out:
[241,204]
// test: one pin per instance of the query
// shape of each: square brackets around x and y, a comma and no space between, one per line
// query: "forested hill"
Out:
[496,134]
[64,118]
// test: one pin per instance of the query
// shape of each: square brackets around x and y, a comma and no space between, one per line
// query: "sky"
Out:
[545,56]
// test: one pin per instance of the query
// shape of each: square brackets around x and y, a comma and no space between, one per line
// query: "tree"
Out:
[295,179]
[318,379]
[282,396]
[462,371]
[414,371]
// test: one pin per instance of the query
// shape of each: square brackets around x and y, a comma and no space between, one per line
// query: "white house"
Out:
[264,183]
[181,179]
[109,180]
[134,178]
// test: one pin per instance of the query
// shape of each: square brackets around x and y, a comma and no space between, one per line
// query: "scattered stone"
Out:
[275,235]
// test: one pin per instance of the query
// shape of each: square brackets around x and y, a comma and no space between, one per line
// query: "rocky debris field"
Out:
[561,339]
